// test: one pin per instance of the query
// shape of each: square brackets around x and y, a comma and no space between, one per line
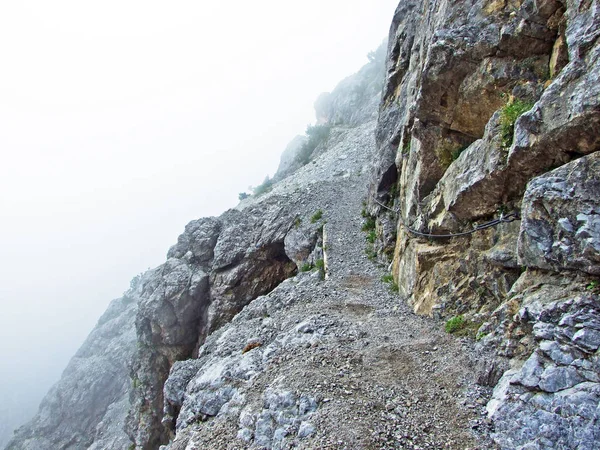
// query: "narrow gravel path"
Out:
[382,377]
[393,379]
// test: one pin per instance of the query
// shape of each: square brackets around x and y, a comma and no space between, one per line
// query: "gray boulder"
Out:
[552,400]
[561,218]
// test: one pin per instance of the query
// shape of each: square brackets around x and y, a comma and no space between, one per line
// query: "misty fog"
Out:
[121,122]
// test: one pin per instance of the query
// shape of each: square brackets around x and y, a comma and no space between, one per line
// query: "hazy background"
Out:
[120,121]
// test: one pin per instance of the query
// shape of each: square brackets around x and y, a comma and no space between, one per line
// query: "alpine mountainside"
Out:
[422,271]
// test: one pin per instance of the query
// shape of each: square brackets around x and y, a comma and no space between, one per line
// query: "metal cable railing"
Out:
[504,218]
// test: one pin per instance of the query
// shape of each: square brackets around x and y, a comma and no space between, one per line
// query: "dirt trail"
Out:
[383,377]
[393,379]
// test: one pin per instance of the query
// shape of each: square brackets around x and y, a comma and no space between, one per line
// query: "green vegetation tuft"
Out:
[297,222]
[316,216]
[406,148]
[369,224]
[371,236]
[243,196]
[459,326]
[388,278]
[593,285]
[455,324]
[306,267]
[508,116]
[480,336]
[320,265]
[456,153]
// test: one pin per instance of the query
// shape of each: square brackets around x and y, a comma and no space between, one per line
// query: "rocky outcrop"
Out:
[216,268]
[214,387]
[492,108]
[453,151]
[561,218]
[87,407]
[550,399]
[552,333]
[355,99]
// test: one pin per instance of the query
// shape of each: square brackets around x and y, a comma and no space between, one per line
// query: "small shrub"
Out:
[243,196]
[394,287]
[593,285]
[508,116]
[455,324]
[297,222]
[316,216]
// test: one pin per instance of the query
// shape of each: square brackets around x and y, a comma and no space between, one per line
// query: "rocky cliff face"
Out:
[87,407]
[489,108]
[272,326]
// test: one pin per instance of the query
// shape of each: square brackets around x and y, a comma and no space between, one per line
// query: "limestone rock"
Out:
[216,268]
[87,407]
[551,401]
[561,218]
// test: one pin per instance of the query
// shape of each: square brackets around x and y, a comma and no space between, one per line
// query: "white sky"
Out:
[120,121]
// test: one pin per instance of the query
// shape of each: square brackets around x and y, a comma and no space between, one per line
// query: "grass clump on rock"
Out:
[508,116]
[369,224]
[455,324]
[460,326]
[316,216]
